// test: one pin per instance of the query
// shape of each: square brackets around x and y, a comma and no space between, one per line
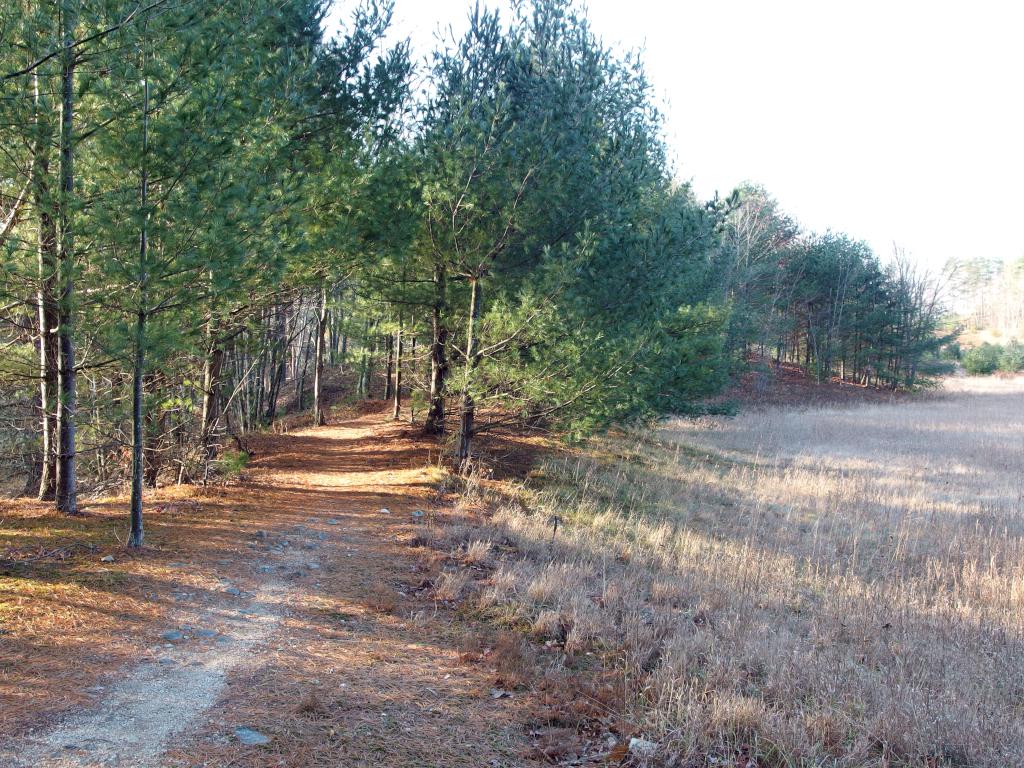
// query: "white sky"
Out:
[898,121]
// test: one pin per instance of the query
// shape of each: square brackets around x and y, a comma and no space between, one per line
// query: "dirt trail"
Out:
[316,645]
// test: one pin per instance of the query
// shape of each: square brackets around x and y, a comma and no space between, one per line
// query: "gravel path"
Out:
[310,644]
[178,681]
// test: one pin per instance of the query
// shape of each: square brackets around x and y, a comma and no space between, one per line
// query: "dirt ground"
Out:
[766,385]
[291,609]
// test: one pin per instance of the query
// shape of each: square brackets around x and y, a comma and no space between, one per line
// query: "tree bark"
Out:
[135,533]
[211,393]
[302,371]
[48,321]
[153,447]
[397,410]
[434,424]
[319,416]
[467,408]
[279,358]
[66,481]
[389,350]
[413,373]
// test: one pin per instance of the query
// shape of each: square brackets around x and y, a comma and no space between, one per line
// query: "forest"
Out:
[206,211]
[367,405]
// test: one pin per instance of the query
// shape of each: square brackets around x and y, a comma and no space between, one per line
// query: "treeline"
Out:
[826,302]
[210,210]
[990,296]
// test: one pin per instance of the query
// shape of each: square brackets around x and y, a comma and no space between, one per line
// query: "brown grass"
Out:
[819,587]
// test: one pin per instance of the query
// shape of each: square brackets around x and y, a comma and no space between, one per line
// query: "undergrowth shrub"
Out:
[982,360]
[988,358]
[230,464]
[1012,358]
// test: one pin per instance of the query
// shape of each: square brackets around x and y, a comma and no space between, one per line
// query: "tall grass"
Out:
[840,587]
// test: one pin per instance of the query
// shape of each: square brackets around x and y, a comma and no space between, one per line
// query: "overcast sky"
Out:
[898,121]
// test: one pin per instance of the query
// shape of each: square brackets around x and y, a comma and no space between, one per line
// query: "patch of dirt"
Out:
[768,385]
[321,645]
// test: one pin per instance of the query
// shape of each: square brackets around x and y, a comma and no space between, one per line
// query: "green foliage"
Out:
[231,463]
[303,207]
[987,358]
[825,301]
[982,360]
[1011,360]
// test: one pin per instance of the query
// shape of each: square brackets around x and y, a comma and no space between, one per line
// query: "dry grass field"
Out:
[817,587]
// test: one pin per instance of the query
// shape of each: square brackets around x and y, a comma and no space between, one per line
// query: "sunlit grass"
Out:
[818,587]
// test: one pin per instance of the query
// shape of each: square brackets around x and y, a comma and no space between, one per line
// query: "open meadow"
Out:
[830,586]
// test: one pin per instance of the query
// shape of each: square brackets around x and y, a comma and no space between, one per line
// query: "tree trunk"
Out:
[467,408]
[332,339]
[434,424]
[397,410]
[48,322]
[211,393]
[363,388]
[66,481]
[279,356]
[412,371]
[319,417]
[135,534]
[156,428]
[302,372]
[389,350]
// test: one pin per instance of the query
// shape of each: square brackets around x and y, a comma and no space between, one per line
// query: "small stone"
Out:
[250,736]
[313,566]
[206,633]
[172,635]
[385,511]
[642,747]
[234,591]
[107,559]
[417,513]
[332,521]
[265,568]
[165,660]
